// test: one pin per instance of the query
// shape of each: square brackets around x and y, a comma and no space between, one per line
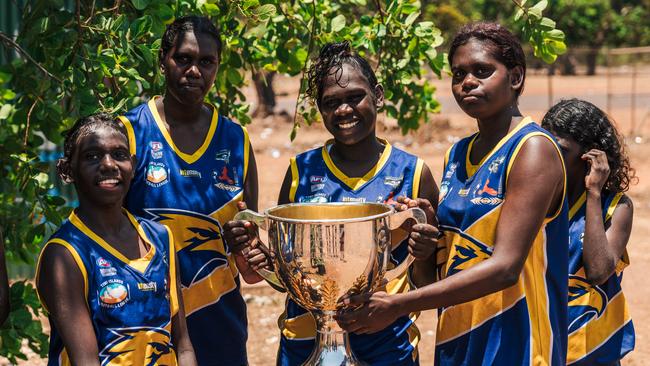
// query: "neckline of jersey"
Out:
[188,158]
[355,183]
[474,167]
[139,264]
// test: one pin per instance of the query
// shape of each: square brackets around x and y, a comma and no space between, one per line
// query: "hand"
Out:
[423,238]
[242,238]
[598,170]
[373,312]
[404,203]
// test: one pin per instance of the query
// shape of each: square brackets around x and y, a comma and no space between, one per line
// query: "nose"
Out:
[193,71]
[470,82]
[107,163]
[343,110]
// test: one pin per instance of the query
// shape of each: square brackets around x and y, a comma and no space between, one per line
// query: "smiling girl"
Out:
[107,278]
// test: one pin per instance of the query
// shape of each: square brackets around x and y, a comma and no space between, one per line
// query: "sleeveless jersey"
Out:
[600,326]
[193,194]
[315,178]
[131,302]
[524,324]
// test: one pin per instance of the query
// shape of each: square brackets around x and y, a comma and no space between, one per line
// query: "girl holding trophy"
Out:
[502,292]
[355,166]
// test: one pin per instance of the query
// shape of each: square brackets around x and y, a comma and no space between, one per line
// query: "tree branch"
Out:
[29,118]
[7,40]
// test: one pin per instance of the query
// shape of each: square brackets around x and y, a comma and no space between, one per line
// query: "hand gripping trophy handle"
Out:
[260,221]
[396,221]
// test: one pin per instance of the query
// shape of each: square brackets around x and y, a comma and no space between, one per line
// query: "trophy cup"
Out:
[322,251]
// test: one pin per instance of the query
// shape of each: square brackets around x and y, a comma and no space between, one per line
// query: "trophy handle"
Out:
[260,221]
[395,221]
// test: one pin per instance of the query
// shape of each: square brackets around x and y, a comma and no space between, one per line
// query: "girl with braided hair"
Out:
[356,165]
[600,219]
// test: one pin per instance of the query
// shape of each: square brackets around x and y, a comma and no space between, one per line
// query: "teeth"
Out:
[344,126]
[109,181]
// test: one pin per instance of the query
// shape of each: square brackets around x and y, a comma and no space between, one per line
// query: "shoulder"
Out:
[137,116]
[310,154]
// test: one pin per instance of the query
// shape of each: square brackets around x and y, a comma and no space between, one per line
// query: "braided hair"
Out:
[330,62]
[591,128]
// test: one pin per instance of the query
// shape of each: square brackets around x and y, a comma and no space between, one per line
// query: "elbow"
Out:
[507,276]
[599,276]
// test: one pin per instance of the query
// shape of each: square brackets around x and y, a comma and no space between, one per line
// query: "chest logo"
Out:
[494,165]
[314,198]
[226,179]
[223,155]
[156,149]
[113,293]
[451,170]
[157,174]
[138,345]
[487,189]
[393,181]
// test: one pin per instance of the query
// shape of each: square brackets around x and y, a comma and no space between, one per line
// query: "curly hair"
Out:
[330,62]
[500,42]
[190,23]
[591,128]
[87,125]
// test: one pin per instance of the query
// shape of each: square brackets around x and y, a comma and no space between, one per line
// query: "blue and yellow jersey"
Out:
[131,302]
[600,326]
[315,178]
[193,194]
[524,324]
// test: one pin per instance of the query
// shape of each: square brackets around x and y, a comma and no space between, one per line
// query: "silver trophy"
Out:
[322,251]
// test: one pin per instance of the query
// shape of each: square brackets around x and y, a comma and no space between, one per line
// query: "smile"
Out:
[108,183]
[347,125]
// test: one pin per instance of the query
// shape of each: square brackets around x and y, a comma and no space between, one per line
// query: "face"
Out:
[101,167]
[572,153]
[482,86]
[190,67]
[348,108]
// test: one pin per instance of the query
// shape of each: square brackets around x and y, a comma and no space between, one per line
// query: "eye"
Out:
[483,72]
[330,104]
[458,74]
[92,156]
[182,59]
[120,155]
[206,62]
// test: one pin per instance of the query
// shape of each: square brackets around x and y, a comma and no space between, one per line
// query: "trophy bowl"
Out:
[323,251]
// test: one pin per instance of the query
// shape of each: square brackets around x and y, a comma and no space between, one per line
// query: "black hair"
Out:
[502,45]
[87,125]
[189,23]
[591,128]
[330,62]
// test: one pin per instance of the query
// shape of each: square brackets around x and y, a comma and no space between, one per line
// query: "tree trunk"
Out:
[265,94]
[592,57]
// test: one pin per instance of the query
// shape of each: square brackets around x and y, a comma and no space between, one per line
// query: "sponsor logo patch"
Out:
[113,293]
[157,174]
[223,155]
[393,181]
[149,286]
[315,198]
[316,179]
[190,173]
[110,271]
[486,200]
[226,179]
[353,199]
[156,149]
[103,262]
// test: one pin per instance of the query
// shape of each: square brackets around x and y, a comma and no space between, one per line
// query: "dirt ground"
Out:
[270,138]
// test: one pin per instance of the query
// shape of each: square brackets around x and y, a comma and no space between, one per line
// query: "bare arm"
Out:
[601,250]
[283,197]
[61,287]
[423,270]
[4,284]
[524,210]
[251,199]
[180,337]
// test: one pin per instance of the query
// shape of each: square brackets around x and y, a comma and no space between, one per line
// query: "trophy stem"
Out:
[332,346]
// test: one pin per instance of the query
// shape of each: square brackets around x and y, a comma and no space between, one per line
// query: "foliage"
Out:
[102,55]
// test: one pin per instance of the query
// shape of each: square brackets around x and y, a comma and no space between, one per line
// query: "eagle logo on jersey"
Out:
[467,253]
[199,247]
[138,346]
[586,301]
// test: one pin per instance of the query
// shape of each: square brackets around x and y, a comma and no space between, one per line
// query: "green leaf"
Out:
[518,14]
[338,23]
[411,18]
[5,111]
[233,76]
[555,34]
[140,4]
[547,24]
[265,12]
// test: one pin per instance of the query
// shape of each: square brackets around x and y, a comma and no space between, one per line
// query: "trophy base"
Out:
[332,344]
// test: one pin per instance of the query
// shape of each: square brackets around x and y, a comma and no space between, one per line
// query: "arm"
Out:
[283,197]
[602,249]
[250,198]
[180,337]
[523,212]
[4,284]
[61,287]
[423,270]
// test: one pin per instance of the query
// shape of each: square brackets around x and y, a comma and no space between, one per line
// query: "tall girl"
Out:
[502,289]
[108,279]
[600,219]
[193,167]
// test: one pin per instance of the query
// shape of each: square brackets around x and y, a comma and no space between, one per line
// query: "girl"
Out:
[600,219]
[354,166]
[193,167]
[107,278]
[502,292]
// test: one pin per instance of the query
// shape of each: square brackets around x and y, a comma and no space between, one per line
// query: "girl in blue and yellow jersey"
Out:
[600,219]
[355,166]
[193,166]
[502,285]
[108,278]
